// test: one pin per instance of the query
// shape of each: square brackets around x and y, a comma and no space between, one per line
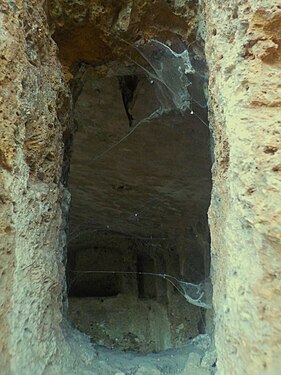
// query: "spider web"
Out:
[178,81]
[198,294]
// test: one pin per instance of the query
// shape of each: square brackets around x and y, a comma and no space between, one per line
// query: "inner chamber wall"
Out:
[138,208]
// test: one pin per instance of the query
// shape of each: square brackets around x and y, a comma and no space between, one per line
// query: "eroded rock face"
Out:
[33,119]
[98,31]
[243,52]
[35,131]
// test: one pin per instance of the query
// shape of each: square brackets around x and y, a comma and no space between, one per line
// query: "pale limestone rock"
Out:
[194,367]
[245,216]
[243,53]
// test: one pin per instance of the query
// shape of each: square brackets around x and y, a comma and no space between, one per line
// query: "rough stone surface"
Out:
[34,131]
[142,313]
[244,56]
[97,31]
[32,122]
[243,52]
[194,366]
[112,322]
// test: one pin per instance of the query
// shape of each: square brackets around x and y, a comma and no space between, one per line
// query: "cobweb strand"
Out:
[182,287]
[153,115]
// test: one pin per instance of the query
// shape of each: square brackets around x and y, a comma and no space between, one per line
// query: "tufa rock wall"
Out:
[33,118]
[243,52]
[244,55]
[35,128]
[98,31]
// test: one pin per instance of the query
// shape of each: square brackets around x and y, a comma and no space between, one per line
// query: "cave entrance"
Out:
[138,212]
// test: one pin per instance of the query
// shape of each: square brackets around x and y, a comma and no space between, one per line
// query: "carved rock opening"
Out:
[138,212]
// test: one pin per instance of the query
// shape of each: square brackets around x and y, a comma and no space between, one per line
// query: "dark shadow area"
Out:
[138,213]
